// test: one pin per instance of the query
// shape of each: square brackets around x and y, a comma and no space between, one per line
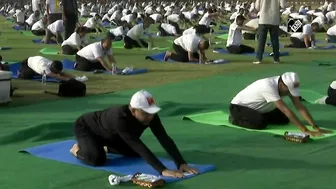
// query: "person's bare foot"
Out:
[167,56]
[74,149]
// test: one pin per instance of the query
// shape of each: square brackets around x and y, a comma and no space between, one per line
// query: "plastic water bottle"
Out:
[114,69]
[44,78]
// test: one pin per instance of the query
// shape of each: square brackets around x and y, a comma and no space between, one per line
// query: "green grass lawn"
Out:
[243,159]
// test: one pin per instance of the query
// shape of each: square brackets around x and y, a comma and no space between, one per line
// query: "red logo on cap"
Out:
[150,101]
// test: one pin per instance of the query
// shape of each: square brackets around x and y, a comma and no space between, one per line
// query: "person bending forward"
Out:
[118,130]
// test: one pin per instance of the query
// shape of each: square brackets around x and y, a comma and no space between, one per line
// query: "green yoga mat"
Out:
[28,33]
[120,45]
[220,118]
[224,36]
[50,51]
[310,96]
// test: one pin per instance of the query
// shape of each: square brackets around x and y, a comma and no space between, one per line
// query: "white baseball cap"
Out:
[144,100]
[291,80]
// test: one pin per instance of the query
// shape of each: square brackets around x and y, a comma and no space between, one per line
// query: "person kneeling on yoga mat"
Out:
[304,39]
[234,43]
[186,48]
[118,130]
[331,98]
[75,42]
[38,65]
[133,36]
[261,104]
[91,57]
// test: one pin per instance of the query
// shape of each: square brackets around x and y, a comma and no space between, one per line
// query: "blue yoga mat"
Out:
[5,48]
[59,151]
[17,28]
[224,51]
[38,41]
[70,65]
[326,47]
[106,24]
[14,68]
[160,58]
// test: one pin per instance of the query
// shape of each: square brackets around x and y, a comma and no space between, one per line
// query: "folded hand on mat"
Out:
[172,173]
[184,168]
[313,133]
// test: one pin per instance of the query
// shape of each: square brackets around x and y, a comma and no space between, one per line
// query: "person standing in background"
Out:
[269,20]
[54,10]
[36,6]
[70,17]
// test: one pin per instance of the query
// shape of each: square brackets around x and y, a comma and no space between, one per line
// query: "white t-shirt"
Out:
[20,17]
[31,19]
[128,18]
[319,20]
[188,42]
[55,6]
[39,64]
[170,29]
[235,36]
[333,85]
[260,95]
[35,5]
[331,15]
[93,51]
[306,30]
[254,23]
[173,18]
[136,32]
[205,20]
[116,16]
[119,31]
[106,17]
[189,31]
[156,17]
[332,31]
[56,27]
[90,23]
[38,25]
[74,40]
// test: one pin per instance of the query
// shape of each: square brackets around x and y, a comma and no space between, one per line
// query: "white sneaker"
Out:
[276,62]
[321,100]
[257,62]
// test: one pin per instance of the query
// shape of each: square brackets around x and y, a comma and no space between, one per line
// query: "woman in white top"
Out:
[39,28]
[304,39]
[75,42]
[92,57]
[234,42]
[38,65]
[331,98]
[186,49]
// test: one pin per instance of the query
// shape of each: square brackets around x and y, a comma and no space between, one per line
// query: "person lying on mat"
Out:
[133,36]
[39,28]
[75,42]
[92,57]
[304,39]
[54,30]
[260,104]
[186,49]
[118,130]
[234,42]
[331,98]
[38,65]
